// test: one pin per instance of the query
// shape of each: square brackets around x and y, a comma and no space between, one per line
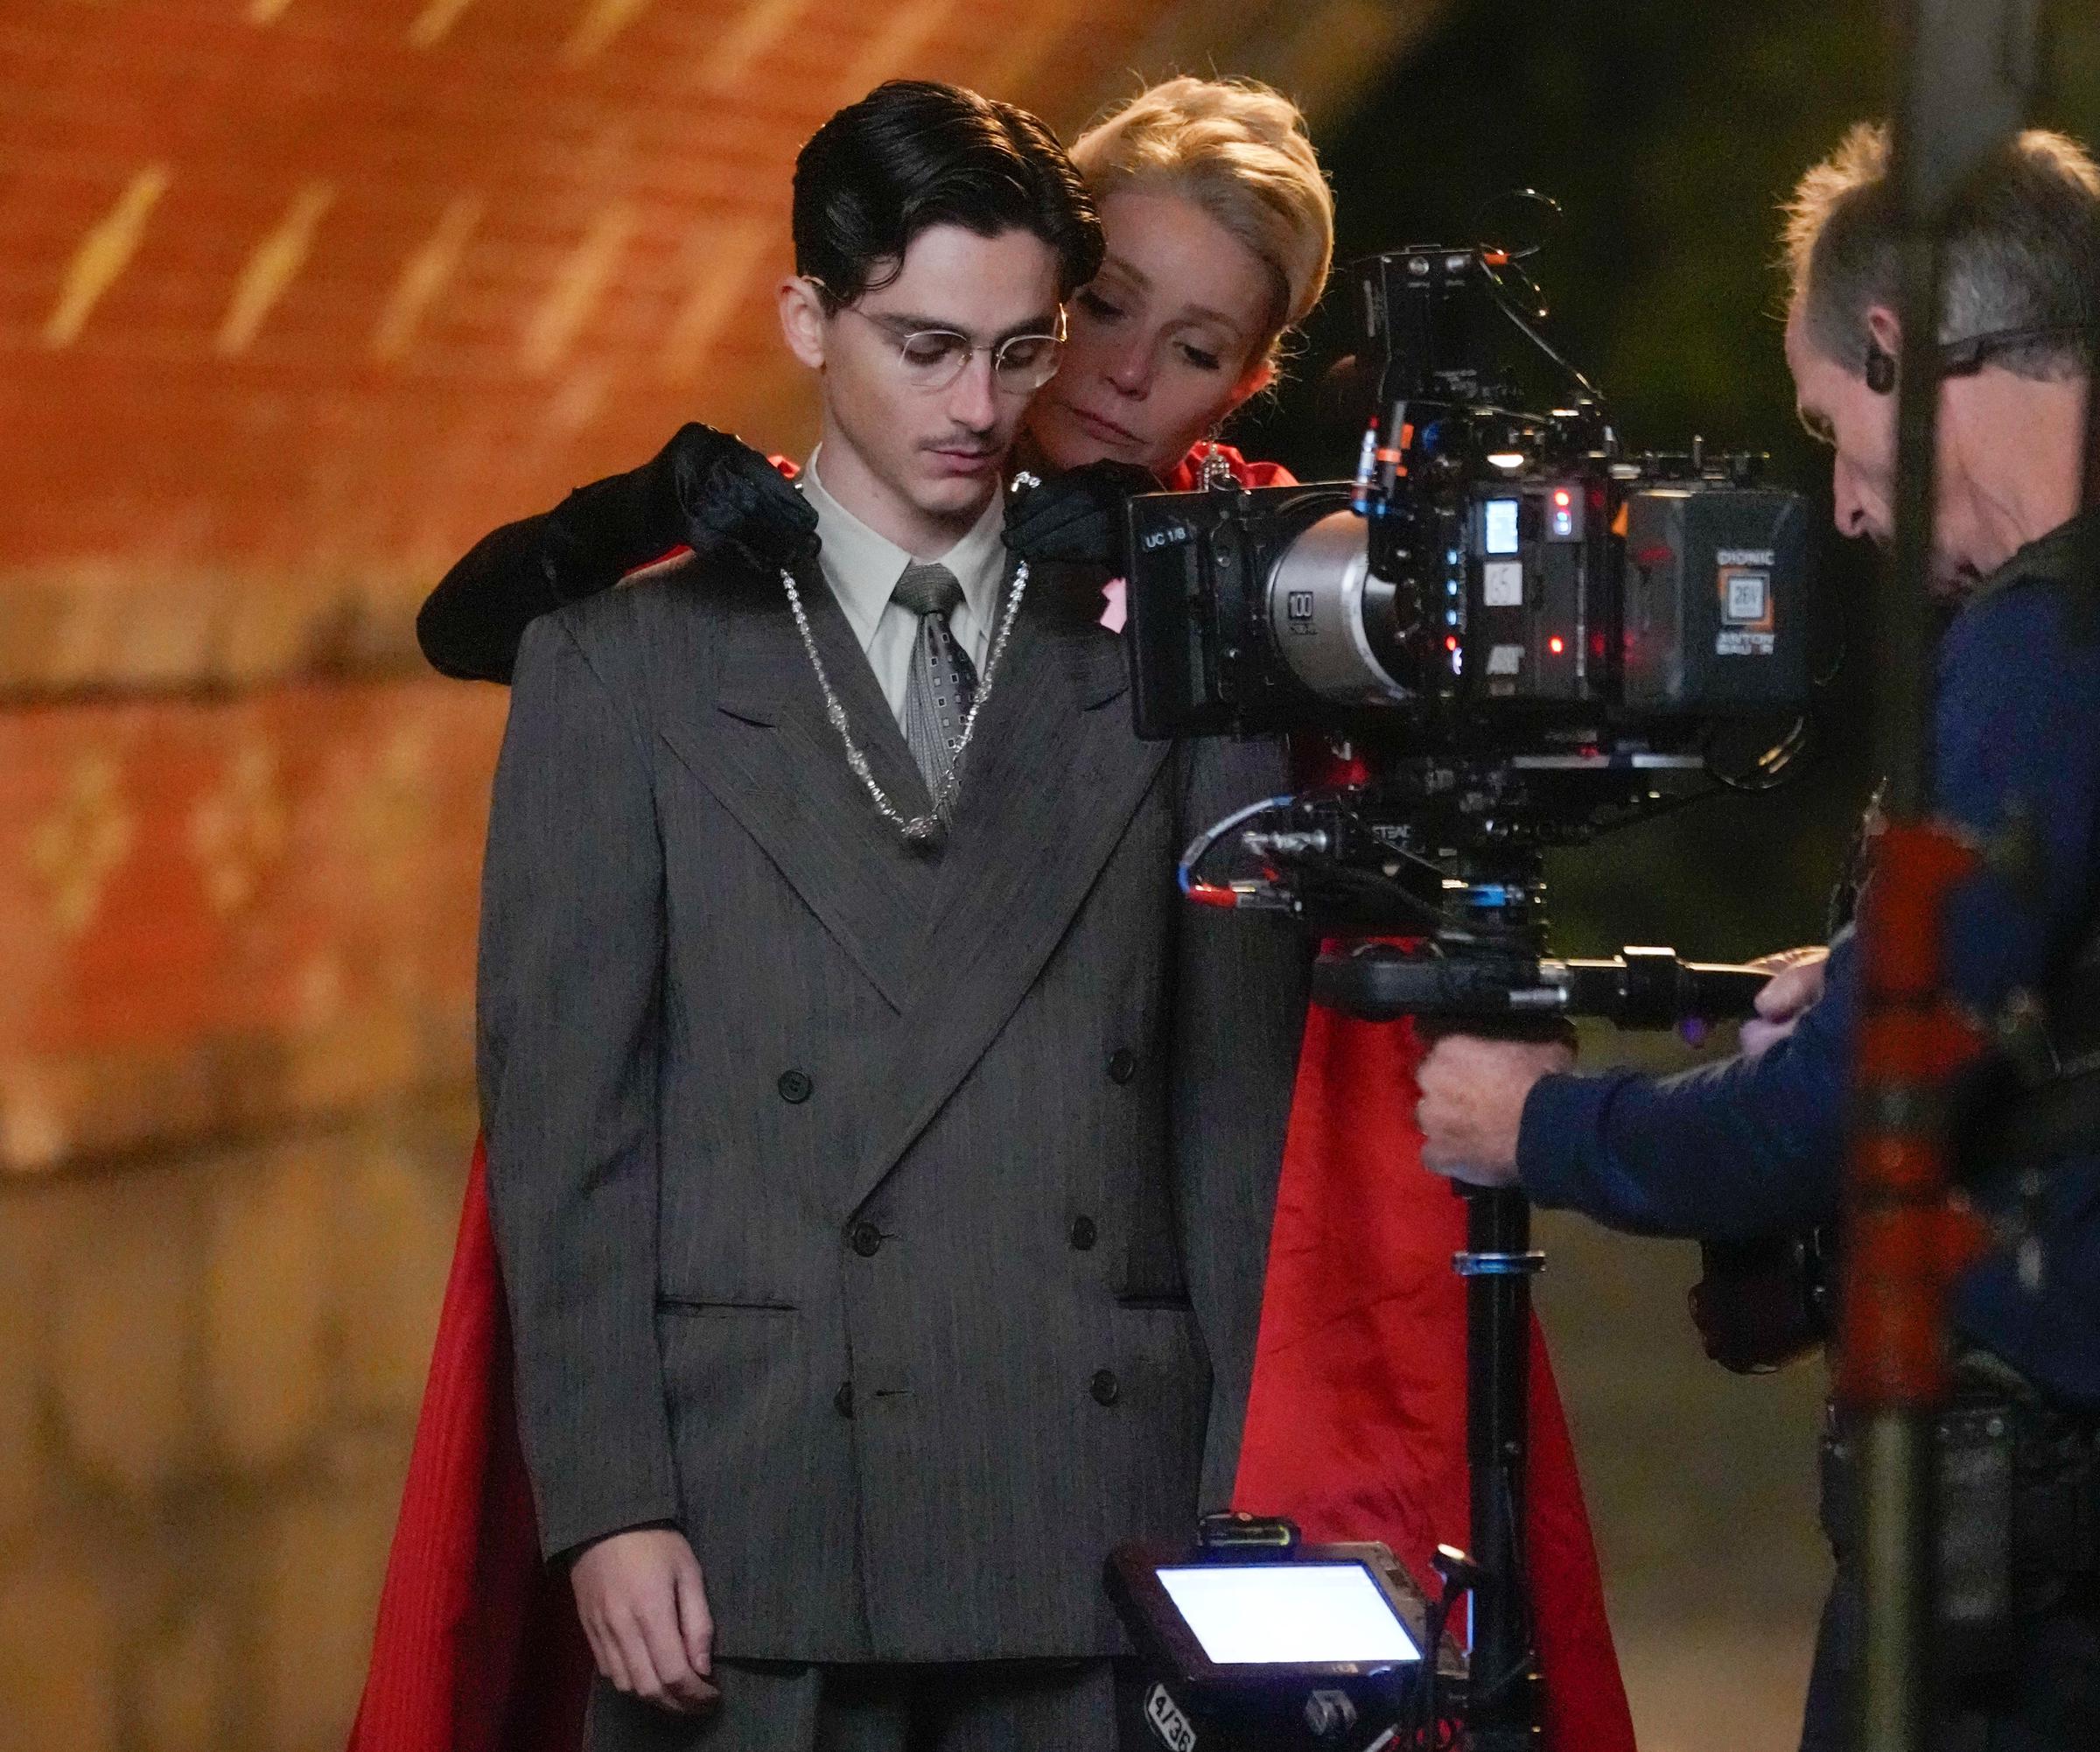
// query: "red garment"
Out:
[1357,1427]
[1188,473]
[1356,1424]
[477,1648]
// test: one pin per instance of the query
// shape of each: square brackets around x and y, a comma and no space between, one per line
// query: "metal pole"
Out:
[1969,69]
[1502,1711]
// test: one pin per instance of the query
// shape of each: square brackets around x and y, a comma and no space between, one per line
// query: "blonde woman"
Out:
[1220,228]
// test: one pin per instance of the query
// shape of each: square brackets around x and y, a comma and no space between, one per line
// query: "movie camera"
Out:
[1512,635]
[1522,635]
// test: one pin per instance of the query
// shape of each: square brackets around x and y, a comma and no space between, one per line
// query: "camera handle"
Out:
[1637,988]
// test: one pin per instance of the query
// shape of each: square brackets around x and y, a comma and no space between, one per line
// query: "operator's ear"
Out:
[1885,328]
[802,320]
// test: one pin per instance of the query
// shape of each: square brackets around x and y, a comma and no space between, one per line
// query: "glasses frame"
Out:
[996,350]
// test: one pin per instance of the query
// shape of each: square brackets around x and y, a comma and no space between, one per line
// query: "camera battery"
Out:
[1715,615]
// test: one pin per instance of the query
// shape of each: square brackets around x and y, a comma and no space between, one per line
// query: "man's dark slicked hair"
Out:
[913,154]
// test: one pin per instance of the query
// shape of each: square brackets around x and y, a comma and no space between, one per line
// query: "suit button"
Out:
[795,1086]
[866,1239]
[842,1401]
[1123,1065]
[1084,1234]
[1105,1387]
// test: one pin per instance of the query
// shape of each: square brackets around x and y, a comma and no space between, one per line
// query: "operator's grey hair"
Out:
[2022,251]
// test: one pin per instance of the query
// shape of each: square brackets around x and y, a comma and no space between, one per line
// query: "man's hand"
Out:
[1795,984]
[1473,1103]
[645,1613]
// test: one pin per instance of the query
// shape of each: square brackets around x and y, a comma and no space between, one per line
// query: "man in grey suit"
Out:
[881,1154]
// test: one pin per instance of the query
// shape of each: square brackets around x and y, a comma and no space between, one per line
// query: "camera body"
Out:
[1511,634]
[1569,596]
[1490,582]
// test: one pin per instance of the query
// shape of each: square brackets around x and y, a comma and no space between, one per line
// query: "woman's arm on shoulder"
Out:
[706,490]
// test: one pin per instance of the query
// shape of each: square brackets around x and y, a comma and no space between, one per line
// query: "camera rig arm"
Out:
[1469,928]
[1640,987]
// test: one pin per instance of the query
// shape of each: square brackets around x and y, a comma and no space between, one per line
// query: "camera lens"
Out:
[1343,632]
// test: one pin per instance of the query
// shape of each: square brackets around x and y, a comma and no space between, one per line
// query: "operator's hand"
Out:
[733,500]
[1076,517]
[1473,1103]
[645,1614]
[1796,983]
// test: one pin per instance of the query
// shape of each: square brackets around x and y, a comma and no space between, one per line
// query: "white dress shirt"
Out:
[862,568]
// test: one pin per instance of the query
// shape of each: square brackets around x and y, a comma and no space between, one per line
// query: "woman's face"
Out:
[1169,338]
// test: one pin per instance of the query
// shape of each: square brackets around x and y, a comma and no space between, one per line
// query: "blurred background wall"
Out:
[300,297]
[296,298]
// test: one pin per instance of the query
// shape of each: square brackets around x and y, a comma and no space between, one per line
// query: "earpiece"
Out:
[1880,368]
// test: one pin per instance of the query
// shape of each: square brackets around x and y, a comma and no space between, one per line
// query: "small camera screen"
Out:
[1498,531]
[1287,1614]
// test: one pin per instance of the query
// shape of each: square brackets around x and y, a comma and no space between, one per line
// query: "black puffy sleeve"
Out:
[470,626]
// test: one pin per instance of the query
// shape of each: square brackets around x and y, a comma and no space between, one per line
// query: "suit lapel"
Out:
[764,746]
[1053,777]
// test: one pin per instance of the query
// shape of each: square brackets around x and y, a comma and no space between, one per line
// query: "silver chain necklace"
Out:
[920,829]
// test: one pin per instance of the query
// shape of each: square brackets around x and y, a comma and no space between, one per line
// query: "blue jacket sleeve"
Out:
[1725,1151]
[1751,1146]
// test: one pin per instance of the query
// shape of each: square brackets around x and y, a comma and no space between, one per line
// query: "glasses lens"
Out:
[933,357]
[1027,362]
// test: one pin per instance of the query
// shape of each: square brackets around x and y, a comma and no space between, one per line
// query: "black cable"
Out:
[1774,764]
[1499,294]
[1545,203]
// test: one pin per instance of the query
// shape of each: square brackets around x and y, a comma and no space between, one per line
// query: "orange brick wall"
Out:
[298,297]
[318,289]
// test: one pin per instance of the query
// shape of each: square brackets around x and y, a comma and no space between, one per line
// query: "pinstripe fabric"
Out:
[983,1706]
[776,1104]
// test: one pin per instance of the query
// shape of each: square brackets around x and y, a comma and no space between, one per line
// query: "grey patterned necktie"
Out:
[943,680]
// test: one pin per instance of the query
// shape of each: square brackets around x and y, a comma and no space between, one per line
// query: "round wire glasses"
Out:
[932,358]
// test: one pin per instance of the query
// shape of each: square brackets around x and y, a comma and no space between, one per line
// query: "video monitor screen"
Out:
[1499,534]
[1287,1614]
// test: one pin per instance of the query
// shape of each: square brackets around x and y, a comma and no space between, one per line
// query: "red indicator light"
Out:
[1561,497]
[1557,644]
[1452,642]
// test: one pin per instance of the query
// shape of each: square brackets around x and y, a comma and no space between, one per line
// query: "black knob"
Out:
[1084,1234]
[1105,1388]
[1123,1065]
[795,1086]
[842,1401]
[866,1239]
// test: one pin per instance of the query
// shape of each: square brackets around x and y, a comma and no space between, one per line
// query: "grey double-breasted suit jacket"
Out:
[894,1224]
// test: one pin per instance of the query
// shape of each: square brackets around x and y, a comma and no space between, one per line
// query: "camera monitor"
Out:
[1287,1614]
[1320,1611]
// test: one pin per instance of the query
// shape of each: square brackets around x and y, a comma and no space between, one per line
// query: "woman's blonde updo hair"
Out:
[1239,150]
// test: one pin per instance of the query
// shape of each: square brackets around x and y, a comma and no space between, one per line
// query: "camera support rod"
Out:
[1498,1264]
[1514,989]
[1970,69]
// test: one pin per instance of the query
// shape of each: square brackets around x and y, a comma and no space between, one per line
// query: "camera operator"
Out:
[1754,1147]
